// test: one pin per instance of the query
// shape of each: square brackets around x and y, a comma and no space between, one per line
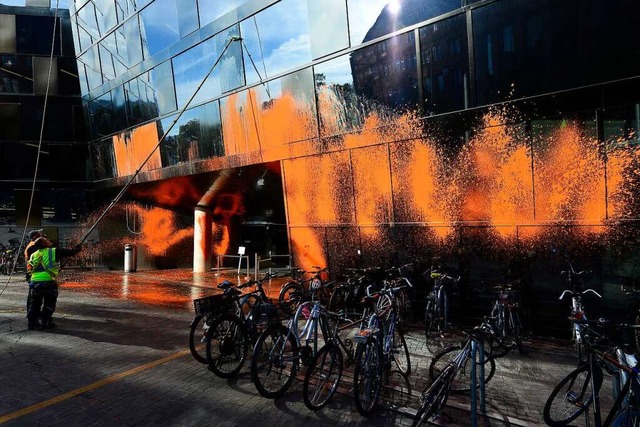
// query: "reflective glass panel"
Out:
[68,77]
[16,74]
[101,115]
[106,15]
[210,10]
[159,25]
[140,98]
[187,16]
[190,68]
[84,38]
[133,41]
[230,67]
[195,136]
[11,118]
[107,49]
[276,40]
[90,59]
[87,19]
[370,19]
[328,26]
[162,81]
[445,64]
[103,160]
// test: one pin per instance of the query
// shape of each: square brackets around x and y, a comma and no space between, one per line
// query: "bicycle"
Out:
[217,316]
[575,279]
[580,390]
[436,312]
[347,295]
[280,350]
[506,311]
[380,345]
[325,369]
[448,379]
[461,356]
[295,291]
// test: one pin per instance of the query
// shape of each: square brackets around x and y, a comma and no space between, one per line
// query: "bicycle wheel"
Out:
[291,295]
[227,344]
[197,337]
[275,361]
[461,383]
[431,320]
[571,397]
[339,298]
[323,377]
[367,376]
[435,397]
[400,352]
[516,329]
[629,417]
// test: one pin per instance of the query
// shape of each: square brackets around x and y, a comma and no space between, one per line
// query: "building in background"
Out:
[345,132]
[29,90]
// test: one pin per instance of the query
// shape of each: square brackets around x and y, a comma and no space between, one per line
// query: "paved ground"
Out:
[118,356]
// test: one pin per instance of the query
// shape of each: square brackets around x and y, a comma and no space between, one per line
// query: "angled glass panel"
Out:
[84,38]
[87,19]
[106,15]
[327,26]
[68,77]
[101,116]
[82,78]
[230,68]
[211,10]
[67,37]
[16,74]
[276,40]
[444,55]
[91,59]
[187,16]
[190,68]
[162,82]
[107,48]
[159,25]
[370,19]
[133,41]
[103,159]
[119,108]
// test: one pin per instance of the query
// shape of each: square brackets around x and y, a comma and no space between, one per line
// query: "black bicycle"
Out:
[304,286]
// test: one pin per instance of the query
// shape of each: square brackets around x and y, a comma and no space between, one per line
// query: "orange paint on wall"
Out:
[131,148]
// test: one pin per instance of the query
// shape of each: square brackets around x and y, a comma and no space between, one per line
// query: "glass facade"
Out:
[28,36]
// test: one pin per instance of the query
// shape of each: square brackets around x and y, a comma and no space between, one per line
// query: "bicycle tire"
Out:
[461,383]
[290,297]
[197,338]
[572,395]
[430,319]
[629,417]
[323,377]
[227,346]
[516,329]
[338,301]
[400,352]
[367,376]
[435,397]
[275,362]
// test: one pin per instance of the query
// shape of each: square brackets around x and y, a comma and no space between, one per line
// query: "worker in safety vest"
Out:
[45,267]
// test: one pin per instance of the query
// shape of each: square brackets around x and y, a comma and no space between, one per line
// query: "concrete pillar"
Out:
[202,239]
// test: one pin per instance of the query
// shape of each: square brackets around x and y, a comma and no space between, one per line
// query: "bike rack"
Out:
[258,262]
[219,262]
[477,373]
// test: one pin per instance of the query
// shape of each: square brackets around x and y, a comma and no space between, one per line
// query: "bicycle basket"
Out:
[265,313]
[213,304]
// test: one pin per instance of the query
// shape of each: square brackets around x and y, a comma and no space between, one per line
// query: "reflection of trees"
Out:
[194,141]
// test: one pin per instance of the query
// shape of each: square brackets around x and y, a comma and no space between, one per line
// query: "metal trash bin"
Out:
[130,258]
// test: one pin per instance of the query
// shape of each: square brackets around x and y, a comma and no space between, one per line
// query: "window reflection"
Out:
[162,81]
[370,19]
[328,26]
[187,16]
[195,136]
[106,15]
[103,160]
[92,67]
[190,68]
[133,41]
[444,57]
[159,25]
[211,10]
[140,98]
[276,40]
[101,116]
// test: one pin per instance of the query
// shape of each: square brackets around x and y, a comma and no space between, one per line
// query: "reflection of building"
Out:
[26,35]
[293,92]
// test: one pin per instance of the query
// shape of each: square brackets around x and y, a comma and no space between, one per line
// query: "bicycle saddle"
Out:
[225,285]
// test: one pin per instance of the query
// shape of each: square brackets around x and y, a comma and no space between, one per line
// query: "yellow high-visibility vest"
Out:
[44,264]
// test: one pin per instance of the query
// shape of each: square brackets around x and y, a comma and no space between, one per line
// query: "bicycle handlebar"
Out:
[568,291]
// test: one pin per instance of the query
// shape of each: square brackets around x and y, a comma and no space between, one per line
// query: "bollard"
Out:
[130,258]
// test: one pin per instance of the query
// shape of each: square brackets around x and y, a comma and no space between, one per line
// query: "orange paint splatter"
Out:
[131,148]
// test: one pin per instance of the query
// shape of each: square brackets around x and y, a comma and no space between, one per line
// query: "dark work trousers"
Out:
[44,296]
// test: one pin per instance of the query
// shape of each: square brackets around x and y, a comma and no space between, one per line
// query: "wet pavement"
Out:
[119,356]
